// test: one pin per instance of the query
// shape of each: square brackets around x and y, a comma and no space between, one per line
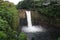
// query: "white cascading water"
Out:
[31,28]
[28,13]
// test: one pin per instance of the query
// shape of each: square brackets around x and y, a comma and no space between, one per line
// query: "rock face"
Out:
[36,18]
[22,14]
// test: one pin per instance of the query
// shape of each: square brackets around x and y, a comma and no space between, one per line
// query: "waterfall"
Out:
[30,28]
[28,13]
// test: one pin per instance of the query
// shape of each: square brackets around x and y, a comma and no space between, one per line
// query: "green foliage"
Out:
[9,20]
[22,36]
[24,5]
[31,4]
[3,24]
[3,36]
[50,10]
[9,13]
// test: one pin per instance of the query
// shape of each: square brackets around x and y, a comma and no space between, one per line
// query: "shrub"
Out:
[22,36]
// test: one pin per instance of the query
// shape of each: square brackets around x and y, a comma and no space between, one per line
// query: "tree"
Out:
[7,14]
[3,24]
[22,36]
[31,4]
[24,5]
[9,20]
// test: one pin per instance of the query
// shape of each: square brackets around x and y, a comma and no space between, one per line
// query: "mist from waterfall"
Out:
[31,28]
